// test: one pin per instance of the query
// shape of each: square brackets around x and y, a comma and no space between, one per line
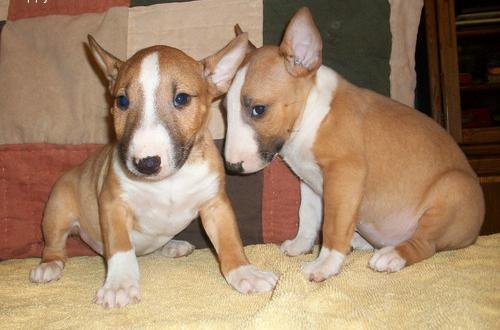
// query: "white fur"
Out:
[387,259]
[249,279]
[359,243]
[175,249]
[122,266]
[328,263]
[241,144]
[397,226]
[151,138]
[149,77]
[164,208]
[297,151]
[306,45]
[47,272]
[224,70]
[96,245]
[122,281]
[310,215]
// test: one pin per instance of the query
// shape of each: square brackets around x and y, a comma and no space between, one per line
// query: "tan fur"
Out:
[388,171]
[365,130]
[238,31]
[209,64]
[89,197]
[284,96]
[219,222]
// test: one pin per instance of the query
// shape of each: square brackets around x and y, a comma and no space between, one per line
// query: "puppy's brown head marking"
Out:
[268,94]
[161,102]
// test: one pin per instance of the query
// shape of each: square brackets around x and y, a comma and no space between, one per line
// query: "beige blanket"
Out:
[455,289]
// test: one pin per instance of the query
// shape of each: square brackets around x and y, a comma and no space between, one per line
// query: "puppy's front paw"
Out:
[249,279]
[328,264]
[176,249]
[387,259]
[114,295]
[297,246]
[47,271]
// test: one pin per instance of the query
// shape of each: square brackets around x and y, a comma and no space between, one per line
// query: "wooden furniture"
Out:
[462,52]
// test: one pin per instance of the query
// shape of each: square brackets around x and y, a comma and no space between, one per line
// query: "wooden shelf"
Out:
[481,145]
[484,159]
[479,150]
[485,166]
[489,179]
[478,31]
[481,135]
[486,87]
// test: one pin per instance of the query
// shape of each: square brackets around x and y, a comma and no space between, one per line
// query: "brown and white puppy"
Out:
[134,195]
[374,173]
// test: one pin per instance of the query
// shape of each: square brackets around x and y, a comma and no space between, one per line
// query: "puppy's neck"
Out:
[318,97]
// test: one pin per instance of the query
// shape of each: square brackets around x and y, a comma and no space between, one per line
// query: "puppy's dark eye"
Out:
[122,102]
[258,110]
[181,100]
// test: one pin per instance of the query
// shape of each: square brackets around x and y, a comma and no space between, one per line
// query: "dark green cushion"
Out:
[356,36]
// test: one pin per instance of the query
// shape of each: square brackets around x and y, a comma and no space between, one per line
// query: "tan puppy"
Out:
[133,196]
[367,164]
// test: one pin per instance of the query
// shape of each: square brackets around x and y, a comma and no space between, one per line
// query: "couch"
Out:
[53,114]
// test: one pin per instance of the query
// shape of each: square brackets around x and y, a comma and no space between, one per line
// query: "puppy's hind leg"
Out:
[452,220]
[59,218]
[175,249]
[359,243]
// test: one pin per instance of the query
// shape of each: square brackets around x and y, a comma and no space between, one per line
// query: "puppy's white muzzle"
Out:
[241,162]
[150,152]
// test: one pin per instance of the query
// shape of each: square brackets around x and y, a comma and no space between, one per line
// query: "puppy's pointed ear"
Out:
[109,64]
[238,31]
[301,45]
[220,68]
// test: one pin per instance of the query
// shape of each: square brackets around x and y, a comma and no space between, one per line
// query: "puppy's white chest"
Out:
[164,208]
[297,151]
[298,154]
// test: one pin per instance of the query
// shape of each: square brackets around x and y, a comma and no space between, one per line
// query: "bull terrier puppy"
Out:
[374,172]
[164,170]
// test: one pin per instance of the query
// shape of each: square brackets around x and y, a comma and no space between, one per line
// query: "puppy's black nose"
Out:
[234,167]
[148,165]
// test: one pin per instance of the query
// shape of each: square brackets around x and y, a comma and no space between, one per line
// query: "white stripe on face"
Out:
[241,145]
[149,78]
[151,137]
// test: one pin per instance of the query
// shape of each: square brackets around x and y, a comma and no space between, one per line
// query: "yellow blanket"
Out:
[455,289]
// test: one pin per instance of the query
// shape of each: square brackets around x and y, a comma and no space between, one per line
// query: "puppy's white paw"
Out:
[249,279]
[176,249]
[115,295]
[121,287]
[387,259]
[297,246]
[47,271]
[328,264]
